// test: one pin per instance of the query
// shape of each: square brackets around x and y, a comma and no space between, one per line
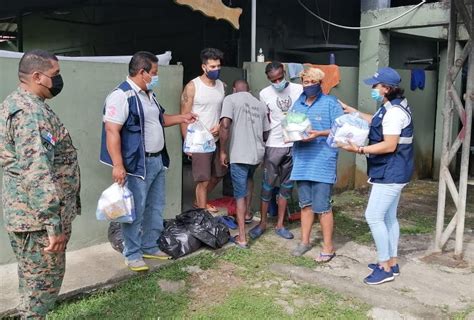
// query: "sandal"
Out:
[324,257]
[249,220]
[241,245]
[228,221]
[256,232]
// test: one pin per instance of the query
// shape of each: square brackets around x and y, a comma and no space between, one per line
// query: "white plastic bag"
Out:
[198,139]
[296,127]
[116,204]
[348,128]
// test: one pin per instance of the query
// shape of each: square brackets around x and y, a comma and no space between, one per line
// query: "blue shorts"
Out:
[240,174]
[315,194]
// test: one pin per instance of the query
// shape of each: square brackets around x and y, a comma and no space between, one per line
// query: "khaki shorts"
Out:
[207,165]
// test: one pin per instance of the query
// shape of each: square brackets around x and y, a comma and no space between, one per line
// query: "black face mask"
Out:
[57,85]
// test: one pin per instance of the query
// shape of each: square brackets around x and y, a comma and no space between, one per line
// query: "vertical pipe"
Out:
[253,31]
[19,32]
[447,119]
[466,147]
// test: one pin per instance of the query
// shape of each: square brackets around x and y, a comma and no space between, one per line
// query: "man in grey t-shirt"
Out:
[247,117]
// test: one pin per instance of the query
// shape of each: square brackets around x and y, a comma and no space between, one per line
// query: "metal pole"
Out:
[253,32]
[447,120]
[19,32]
[465,148]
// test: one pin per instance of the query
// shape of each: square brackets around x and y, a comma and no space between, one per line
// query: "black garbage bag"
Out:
[176,240]
[114,234]
[205,227]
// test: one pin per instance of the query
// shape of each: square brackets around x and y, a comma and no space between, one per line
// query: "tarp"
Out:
[163,59]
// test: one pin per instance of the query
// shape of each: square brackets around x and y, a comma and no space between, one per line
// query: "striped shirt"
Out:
[315,160]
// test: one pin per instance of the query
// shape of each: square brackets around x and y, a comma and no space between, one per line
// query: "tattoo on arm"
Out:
[184,96]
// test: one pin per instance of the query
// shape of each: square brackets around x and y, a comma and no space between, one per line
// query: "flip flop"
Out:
[249,220]
[241,245]
[256,232]
[324,257]
[228,221]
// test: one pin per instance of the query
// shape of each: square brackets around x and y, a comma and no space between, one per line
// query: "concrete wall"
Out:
[80,108]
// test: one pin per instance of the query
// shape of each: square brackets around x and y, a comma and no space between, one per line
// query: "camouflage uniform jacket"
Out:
[41,179]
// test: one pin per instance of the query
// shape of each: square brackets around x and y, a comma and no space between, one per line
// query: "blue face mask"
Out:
[313,90]
[153,83]
[375,94]
[280,86]
[213,74]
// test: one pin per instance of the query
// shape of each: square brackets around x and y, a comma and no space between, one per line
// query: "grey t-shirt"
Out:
[249,121]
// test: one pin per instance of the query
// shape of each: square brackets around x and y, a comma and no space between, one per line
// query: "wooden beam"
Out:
[447,122]
[214,9]
[462,9]
[451,185]
[466,149]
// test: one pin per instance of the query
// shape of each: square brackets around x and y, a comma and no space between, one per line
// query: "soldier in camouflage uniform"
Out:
[41,182]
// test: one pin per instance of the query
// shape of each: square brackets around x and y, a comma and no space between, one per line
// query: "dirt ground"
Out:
[432,286]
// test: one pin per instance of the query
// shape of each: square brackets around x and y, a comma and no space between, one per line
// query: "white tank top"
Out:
[208,102]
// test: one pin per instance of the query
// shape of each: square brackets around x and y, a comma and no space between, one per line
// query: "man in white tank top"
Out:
[203,96]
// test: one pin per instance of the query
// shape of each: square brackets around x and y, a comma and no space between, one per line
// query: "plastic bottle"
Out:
[332,58]
[260,57]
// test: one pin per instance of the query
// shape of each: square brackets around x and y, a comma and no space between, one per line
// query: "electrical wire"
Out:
[365,27]
[322,26]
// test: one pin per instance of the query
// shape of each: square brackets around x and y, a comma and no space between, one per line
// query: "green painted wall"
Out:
[80,108]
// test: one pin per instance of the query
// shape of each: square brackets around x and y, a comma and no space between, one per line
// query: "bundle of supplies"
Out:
[296,126]
[198,139]
[348,128]
[116,204]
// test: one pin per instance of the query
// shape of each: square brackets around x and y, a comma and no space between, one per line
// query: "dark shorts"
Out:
[240,174]
[315,194]
[207,165]
[277,165]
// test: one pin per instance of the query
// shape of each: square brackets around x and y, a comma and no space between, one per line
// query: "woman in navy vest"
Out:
[389,167]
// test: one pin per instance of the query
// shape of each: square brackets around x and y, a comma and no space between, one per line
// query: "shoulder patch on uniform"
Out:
[49,137]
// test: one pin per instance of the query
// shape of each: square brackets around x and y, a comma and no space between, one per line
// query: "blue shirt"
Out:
[315,160]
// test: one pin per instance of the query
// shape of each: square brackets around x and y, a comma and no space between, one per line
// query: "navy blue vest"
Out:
[133,136]
[398,166]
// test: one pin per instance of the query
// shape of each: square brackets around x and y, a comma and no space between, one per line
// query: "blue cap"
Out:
[386,76]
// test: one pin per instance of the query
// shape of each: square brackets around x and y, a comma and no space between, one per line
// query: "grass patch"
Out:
[463,314]
[243,303]
[138,298]
[314,303]
[356,230]
[263,253]
[329,305]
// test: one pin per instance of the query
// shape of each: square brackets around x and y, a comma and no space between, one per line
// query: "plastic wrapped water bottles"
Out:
[348,128]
